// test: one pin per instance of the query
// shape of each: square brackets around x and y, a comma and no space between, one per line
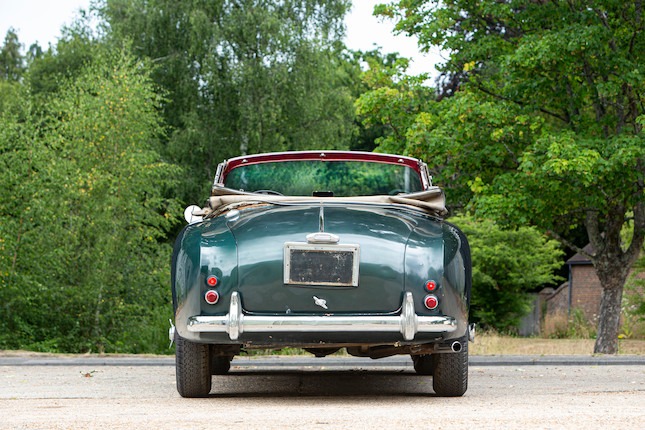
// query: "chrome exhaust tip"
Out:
[456,346]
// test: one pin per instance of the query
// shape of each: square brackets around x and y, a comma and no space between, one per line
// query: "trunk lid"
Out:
[381,234]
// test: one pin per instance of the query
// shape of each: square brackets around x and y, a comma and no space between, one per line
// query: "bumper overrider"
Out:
[236,322]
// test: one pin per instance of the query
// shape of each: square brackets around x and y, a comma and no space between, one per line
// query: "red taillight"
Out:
[431,285]
[211,281]
[211,297]
[431,301]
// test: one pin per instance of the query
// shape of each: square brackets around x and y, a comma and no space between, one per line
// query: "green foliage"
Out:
[88,150]
[11,61]
[17,159]
[242,76]
[48,70]
[84,259]
[544,123]
[507,266]
[392,100]
[9,91]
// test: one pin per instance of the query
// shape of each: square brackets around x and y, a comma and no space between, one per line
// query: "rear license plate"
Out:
[321,264]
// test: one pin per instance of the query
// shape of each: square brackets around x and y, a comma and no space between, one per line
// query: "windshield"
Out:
[325,178]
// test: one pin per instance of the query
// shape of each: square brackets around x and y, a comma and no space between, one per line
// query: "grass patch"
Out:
[495,344]
[564,326]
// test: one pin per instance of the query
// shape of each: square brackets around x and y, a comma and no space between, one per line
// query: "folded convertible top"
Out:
[431,200]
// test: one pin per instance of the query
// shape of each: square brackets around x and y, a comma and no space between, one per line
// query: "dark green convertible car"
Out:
[322,251]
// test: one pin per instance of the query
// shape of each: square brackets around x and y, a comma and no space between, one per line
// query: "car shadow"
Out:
[325,383]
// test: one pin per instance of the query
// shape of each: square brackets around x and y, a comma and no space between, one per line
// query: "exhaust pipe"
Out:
[447,348]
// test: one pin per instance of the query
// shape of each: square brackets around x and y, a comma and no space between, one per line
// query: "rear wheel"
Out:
[192,368]
[450,372]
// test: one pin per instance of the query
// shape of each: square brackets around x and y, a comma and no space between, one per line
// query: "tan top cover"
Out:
[431,200]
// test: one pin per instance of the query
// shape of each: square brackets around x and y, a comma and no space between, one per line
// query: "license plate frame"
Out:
[309,264]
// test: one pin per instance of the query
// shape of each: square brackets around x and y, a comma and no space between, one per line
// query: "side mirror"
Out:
[193,214]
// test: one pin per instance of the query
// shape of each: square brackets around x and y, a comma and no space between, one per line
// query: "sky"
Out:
[42,20]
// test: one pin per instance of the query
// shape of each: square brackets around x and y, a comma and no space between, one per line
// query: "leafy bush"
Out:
[507,265]
[83,217]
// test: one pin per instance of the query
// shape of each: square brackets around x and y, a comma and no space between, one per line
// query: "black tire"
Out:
[450,372]
[423,364]
[192,368]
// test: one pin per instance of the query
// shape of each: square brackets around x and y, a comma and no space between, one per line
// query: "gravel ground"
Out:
[309,393]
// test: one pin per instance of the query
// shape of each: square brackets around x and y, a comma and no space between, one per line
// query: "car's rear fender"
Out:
[437,254]
[203,250]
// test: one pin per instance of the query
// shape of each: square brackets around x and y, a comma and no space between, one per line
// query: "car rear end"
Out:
[377,275]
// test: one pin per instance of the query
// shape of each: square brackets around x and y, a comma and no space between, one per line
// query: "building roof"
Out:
[580,258]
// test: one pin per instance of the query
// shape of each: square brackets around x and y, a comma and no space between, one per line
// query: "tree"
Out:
[84,217]
[545,125]
[17,160]
[241,76]
[391,100]
[12,69]
[11,60]
[75,49]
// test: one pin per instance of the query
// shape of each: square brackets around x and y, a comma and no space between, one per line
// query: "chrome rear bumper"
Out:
[408,323]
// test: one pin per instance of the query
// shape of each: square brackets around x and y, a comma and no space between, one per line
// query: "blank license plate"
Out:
[332,265]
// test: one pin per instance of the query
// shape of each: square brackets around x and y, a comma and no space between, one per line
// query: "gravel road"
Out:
[319,394]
